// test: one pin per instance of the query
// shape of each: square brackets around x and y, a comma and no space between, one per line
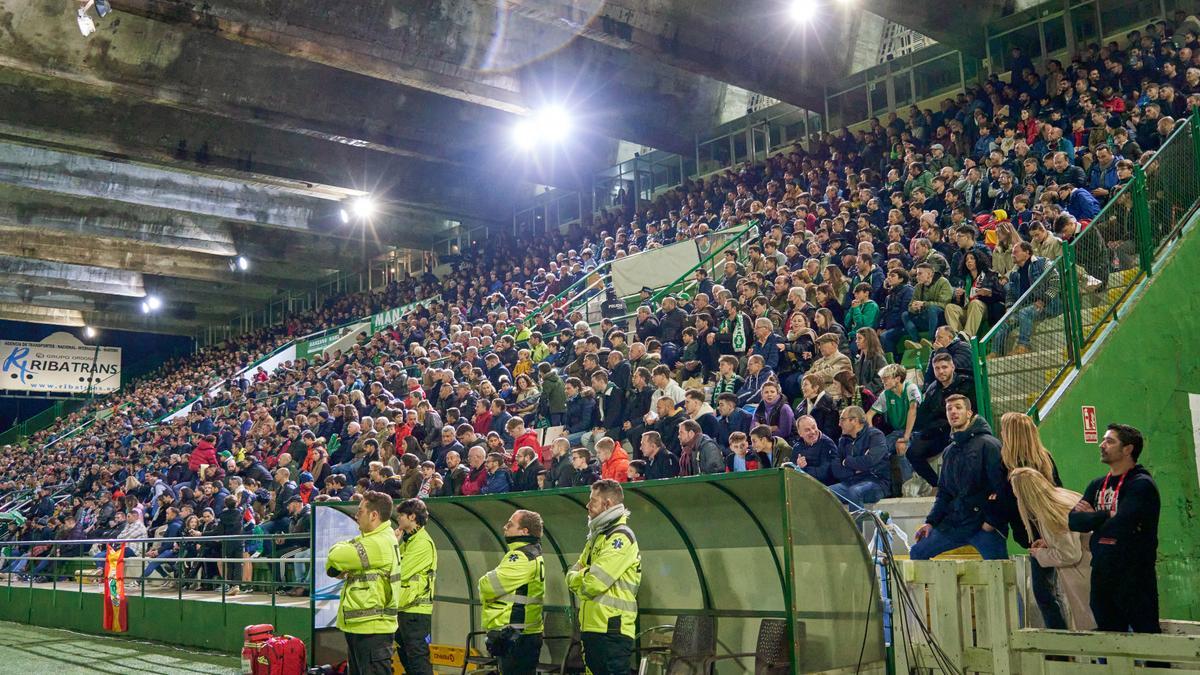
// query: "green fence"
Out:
[1045,334]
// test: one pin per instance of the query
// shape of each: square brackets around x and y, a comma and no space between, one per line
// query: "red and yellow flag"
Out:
[116,606]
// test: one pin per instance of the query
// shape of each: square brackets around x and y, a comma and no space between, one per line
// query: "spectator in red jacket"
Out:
[205,453]
[614,461]
[524,438]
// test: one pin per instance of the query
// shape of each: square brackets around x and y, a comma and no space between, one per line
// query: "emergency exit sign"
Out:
[1091,433]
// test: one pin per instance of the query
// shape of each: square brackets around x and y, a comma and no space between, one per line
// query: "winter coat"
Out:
[971,483]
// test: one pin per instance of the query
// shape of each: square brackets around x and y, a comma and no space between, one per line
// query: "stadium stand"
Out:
[874,253]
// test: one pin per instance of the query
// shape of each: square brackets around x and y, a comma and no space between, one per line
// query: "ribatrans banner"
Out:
[60,364]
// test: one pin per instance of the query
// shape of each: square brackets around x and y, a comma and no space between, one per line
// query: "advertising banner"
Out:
[60,364]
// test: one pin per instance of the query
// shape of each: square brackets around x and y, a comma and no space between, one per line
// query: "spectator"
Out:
[813,451]
[659,462]
[862,470]
[528,469]
[966,509]
[614,461]
[1121,512]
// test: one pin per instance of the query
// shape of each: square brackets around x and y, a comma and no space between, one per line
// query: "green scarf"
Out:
[738,330]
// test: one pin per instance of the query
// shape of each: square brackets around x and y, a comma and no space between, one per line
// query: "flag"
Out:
[116,606]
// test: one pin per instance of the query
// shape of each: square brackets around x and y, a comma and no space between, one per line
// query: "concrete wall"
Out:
[1143,375]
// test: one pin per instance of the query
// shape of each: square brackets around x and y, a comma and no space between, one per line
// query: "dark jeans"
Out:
[412,643]
[991,545]
[923,449]
[607,653]
[1043,581]
[523,658]
[1125,601]
[369,653]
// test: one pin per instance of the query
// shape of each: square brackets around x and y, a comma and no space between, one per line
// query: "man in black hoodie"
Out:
[1121,511]
[967,510]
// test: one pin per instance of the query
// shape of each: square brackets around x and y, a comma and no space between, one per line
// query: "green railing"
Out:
[1047,332]
[41,420]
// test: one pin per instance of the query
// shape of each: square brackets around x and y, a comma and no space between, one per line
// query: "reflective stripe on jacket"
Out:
[514,592]
[369,567]
[606,581]
[418,568]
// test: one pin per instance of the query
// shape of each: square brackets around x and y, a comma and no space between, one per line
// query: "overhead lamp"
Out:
[89,332]
[345,216]
[803,11]
[242,263]
[152,303]
[363,207]
[551,124]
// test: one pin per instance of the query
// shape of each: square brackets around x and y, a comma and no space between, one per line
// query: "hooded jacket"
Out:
[616,467]
[971,483]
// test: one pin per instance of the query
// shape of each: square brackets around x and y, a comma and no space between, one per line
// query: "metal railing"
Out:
[1077,298]
[179,571]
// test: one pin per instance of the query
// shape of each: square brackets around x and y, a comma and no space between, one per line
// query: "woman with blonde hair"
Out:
[1021,448]
[1046,507]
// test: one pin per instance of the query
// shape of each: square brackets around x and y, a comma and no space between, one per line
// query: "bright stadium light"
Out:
[89,332]
[525,134]
[345,216]
[548,125]
[803,11]
[555,123]
[152,303]
[363,207]
[242,263]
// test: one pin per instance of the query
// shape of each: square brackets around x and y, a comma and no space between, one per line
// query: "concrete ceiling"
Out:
[185,133]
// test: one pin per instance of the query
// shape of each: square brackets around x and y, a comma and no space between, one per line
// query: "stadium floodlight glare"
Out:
[363,207]
[152,304]
[242,263]
[89,332]
[803,11]
[551,124]
[525,134]
[345,216]
[555,123]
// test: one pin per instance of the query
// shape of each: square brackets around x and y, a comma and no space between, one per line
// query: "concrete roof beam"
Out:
[15,272]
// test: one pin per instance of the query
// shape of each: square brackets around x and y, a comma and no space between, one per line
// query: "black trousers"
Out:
[370,653]
[921,450]
[1043,581]
[607,653]
[523,658]
[412,643]
[1125,601]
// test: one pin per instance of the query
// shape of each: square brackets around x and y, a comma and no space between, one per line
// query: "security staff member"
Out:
[513,595]
[606,581]
[369,567]
[418,566]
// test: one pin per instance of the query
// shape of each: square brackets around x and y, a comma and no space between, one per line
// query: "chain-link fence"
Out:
[1046,332]
[1029,349]
[1106,262]
[1172,185]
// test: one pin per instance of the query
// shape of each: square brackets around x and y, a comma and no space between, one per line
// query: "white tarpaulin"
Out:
[60,364]
[654,268]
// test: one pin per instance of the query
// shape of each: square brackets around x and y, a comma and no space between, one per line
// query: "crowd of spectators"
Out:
[911,235]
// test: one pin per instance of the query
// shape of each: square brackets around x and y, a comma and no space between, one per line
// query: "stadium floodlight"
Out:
[363,207]
[555,123]
[525,134]
[345,216]
[803,11]
[242,263]
[551,124]
[89,332]
[152,303]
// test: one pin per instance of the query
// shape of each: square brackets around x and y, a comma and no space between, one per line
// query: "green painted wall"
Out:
[191,623]
[1142,376]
